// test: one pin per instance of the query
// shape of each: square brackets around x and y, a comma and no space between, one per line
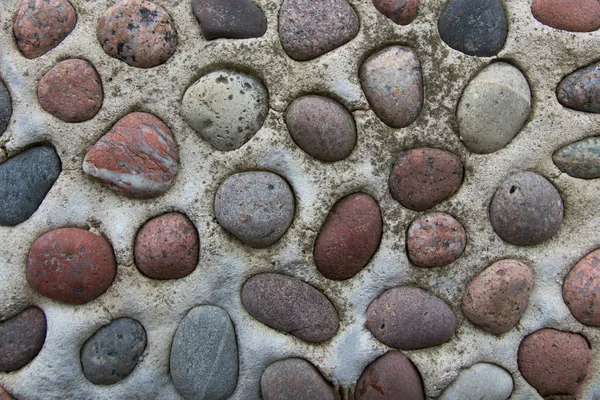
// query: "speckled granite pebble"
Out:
[581,289]
[233,19]
[481,381]
[295,379]
[402,12]
[5,107]
[569,15]
[21,338]
[580,159]
[580,90]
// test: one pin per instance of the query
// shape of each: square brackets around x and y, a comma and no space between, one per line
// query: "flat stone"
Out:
[21,339]
[204,355]
[137,32]
[71,91]
[497,298]
[480,381]
[393,85]
[226,108]
[581,289]
[138,157]
[526,209]
[295,379]
[232,19]
[568,15]
[422,178]
[40,26]
[256,207]
[580,159]
[112,353]
[25,180]
[290,305]
[474,27]
[311,28]
[409,318]
[321,127]
[5,107]
[580,90]
[402,12]
[493,108]
[71,265]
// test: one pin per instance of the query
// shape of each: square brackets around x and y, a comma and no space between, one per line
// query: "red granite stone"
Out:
[21,339]
[568,15]
[581,289]
[71,265]
[402,12]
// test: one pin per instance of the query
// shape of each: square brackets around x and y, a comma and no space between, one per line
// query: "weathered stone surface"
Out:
[349,237]
[493,108]
[481,381]
[40,25]
[580,90]
[580,159]
[526,209]
[71,265]
[402,12]
[294,379]
[581,289]
[393,85]
[569,15]
[137,32]
[112,353]
[422,178]
[290,305]
[409,318]
[232,19]
[497,298]
[311,28]
[5,107]
[226,108]
[138,157]
[321,127]
[204,355]
[21,339]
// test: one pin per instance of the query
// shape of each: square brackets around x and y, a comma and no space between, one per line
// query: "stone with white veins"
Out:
[480,381]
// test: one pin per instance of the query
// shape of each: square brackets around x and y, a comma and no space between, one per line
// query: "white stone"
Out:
[482,381]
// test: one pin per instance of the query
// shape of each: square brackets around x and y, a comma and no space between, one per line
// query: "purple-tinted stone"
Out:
[580,90]
[580,159]
[21,339]
[295,379]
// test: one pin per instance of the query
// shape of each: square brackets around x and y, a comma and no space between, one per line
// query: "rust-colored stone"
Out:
[21,339]
[569,15]
[581,289]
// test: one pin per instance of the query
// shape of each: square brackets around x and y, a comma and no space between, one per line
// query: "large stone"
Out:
[295,379]
[481,381]
[581,289]
[402,12]
[5,107]
[580,90]
[233,19]
[580,159]
[569,15]
[21,339]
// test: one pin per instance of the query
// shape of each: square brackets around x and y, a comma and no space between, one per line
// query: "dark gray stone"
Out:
[580,159]
[295,379]
[580,90]
[5,108]
[232,19]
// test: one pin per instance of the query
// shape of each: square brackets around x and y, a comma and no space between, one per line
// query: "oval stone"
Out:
[526,209]
[568,15]
[233,19]
[581,289]
[5,107]
[480,381]
[497,298]
[580,90]
[493,108]
[21,339]
[112,353]
[71,265]
[393,85]
[321,127]
[204,355]
[409,318]
[402,12]
[290,305]
[294,379]
[580,159]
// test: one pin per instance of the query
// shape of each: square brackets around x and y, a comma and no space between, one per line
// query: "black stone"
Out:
[5,108]
[231,19]
[581,89]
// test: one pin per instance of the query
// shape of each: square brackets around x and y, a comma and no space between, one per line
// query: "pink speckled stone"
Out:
[581,289]
[568,15]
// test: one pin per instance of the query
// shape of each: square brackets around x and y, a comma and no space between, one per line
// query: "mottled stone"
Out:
[474,27]
[71,265]
[493,108]
[21,339]
[5,107]
[569,15]
[321,127]
[295,379]
[497,298]
[409,318]
[402,12]
[232,19]
[393,85]
[204,355]
[71,91]
[138,157]
[481,381]
[580,90]
[40,25]
[290,305]
[226,108]
[112,353]
[311,28]
[580,159]
[422,178]
[137,32]
[526,209]
[581,289]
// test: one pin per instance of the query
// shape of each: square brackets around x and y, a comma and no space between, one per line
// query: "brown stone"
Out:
[295,379]
[21,339]
[568,15]
[402,12]
[581,289]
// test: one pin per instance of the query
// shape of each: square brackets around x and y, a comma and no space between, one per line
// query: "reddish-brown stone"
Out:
[71,265]
[167,247]
[568,15]
[349,237]
[581,289]
[71,91]
[21,339]
[4,395]
[402,12]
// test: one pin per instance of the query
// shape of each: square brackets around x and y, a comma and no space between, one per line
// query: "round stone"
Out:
[71,91]
[526,209]
[580,90]
[580,159]
[321,127]
[581,289]
[5,107]
[294,379]
[21,339]
[137,32]
[234,19]
[568,15]
[480,381]
[71,265]
[402,12]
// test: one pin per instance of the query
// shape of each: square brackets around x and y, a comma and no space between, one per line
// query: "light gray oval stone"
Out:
[493,108]
[580,159]
[482,381]
[226,108]
[204,355]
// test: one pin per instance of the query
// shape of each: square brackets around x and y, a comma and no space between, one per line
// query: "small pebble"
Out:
[481,381]
[581,289]
[580,90]
[580,159]
[295,379]
[402,12]
[5,107]
[21,339]
[231,19]
[568,15]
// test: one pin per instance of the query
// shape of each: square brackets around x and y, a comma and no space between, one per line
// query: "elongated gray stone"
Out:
[580,90]
[481,381]
[580,159]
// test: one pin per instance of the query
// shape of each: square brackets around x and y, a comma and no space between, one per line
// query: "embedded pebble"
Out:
[409,318]
[493,108]
[137,32]
[393,85]
[231,19]
[71,265]
[402,12]
[311,28]
[112,353]
[580,90]
[321,127]
[257,207]
[138,157]
[580,159]
[5,107]
[204,355]
[40,25]
[290,305]
[568,15]
[25,180]
[526,209]
[71,91]
[581,289]
[294,379]
[21,339]
[480,381]
[349,237]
